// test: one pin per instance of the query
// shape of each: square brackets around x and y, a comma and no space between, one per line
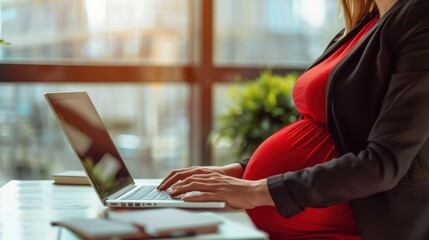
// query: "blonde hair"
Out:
[354,10]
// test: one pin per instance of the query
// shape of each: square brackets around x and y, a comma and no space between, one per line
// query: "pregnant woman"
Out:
[357,163]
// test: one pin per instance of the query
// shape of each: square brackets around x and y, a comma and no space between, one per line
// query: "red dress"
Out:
[302,144]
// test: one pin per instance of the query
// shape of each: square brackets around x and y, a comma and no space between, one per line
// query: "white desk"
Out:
[28,207]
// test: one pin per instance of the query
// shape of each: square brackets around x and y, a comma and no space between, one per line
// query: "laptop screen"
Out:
[91,142]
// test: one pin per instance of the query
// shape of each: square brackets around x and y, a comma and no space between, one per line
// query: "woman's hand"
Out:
[237,193]
[232,170]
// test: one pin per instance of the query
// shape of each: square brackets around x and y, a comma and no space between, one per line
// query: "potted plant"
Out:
[259,108]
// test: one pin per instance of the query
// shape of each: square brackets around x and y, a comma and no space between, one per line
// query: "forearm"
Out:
[339,180]
[233,170]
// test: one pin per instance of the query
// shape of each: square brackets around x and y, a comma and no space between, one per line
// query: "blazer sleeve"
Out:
[243,162]
[401,129]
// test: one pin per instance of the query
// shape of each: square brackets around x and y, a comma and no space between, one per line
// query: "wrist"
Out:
[261,194]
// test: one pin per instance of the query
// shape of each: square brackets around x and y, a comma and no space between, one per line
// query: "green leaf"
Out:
[3,42]
[259,108]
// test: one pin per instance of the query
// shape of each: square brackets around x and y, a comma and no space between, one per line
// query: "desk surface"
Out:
[28,207]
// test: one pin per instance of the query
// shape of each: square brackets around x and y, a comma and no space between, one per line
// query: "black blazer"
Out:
[378,115]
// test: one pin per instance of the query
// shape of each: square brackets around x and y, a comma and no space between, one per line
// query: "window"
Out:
[271,33]
[119,31]
[149,124]
[158,71]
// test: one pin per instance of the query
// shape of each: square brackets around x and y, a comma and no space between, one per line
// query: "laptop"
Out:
[101,160]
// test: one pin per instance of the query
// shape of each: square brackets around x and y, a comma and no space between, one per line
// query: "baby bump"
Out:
[302,144]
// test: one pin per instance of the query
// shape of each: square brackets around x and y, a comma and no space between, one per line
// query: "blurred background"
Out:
[158,72]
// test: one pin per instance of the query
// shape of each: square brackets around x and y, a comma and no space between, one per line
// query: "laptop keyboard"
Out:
[148,193]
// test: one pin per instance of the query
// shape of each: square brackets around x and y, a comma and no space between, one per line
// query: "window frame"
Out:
[201,74]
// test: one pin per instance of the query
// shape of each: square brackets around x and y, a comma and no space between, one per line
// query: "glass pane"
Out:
[222,150]
[140,31]
[273,32]
[149,124]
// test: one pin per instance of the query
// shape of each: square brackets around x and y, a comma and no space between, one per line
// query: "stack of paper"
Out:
[167,222]
[71,177]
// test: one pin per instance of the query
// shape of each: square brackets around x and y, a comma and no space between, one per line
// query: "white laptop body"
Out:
[101,160]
